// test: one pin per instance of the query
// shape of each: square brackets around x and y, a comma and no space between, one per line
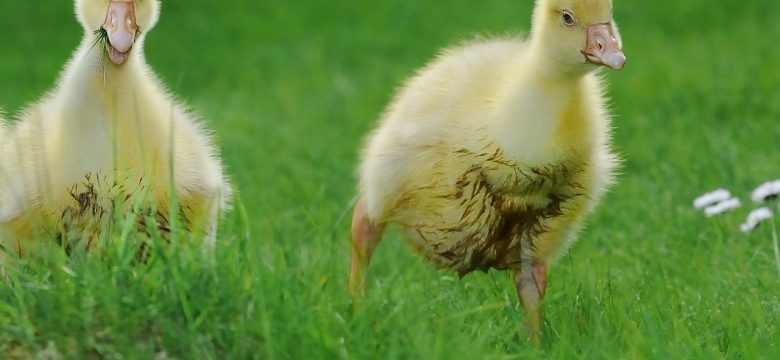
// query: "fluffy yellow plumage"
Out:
[107,139]
[491,156]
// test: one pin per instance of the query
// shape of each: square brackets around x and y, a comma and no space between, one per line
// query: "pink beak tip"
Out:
[616,61]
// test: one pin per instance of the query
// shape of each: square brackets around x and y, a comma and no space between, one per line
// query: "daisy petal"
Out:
[755,218]
[711,198]
[722,207]
[766,191]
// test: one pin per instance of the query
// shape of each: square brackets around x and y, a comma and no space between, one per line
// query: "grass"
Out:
[291,88]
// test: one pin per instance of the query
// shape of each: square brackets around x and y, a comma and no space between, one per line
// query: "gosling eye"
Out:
[568,18]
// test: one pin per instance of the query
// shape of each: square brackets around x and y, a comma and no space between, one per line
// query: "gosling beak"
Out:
[121,28]
[603,47]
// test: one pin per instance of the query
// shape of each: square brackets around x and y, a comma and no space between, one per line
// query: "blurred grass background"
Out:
[291,88]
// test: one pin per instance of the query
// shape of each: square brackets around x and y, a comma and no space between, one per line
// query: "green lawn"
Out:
[291,87]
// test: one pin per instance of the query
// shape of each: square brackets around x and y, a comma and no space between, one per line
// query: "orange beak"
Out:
[121,28]
[603,48]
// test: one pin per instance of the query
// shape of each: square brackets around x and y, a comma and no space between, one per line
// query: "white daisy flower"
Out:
[766,191]
[756,217]
[711,198]
[722,207]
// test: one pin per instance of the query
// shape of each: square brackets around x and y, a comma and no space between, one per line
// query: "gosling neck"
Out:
[91,80]
[531,108]
[554,65]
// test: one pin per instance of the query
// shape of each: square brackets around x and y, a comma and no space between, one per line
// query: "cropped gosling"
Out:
[106,135]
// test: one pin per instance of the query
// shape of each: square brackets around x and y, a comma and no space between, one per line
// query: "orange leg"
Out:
[365,238]
[531,282]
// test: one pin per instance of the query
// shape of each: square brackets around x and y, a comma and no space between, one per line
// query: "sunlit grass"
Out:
[291,88]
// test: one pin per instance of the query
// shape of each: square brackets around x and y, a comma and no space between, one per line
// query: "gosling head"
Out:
[119,24]
[580,35]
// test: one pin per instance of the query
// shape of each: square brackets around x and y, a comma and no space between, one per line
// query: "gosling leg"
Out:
[531,282]
[365,238]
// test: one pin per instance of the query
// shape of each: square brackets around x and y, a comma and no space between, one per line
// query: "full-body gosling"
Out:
[491,156]
[108,133]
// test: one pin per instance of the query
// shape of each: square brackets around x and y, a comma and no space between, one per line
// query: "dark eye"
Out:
[568,18]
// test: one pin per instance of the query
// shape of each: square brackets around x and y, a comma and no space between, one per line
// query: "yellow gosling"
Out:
[490,157]
[106,137]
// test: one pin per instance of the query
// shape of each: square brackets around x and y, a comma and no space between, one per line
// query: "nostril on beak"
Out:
[599,40]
